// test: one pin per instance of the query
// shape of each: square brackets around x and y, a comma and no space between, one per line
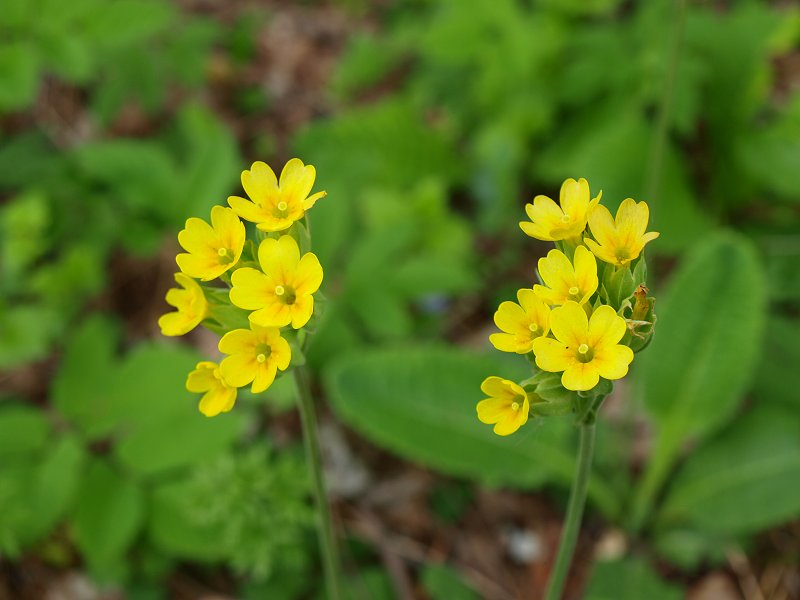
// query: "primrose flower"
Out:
[620,240]
[551,222]
[521,323]
[585,349]
[219,397]
[506,407]
[282,294]
[255,355]
[565,282]
[275,206]
[191,304]
[212,249]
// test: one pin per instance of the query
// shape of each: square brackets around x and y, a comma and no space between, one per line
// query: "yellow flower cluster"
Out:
[266,284]
[579,321]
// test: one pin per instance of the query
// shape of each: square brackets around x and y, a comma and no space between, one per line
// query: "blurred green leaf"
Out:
[108,516]
[706,344]
[19,75]
[744,480]
[777,378]
[420,403]
[443,583]
[629,579]
[23,430]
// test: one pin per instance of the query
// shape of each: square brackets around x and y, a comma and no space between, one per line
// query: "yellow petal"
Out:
[200,267]
[585,272]
[492,410]
[259,182]
[248,211]
[238,341]
[512,421]
[308,274]
[239,369]
[551,355]
[547,295]
[281,352]
[309,202]
[536,230]
[556,271]
[251,289]
[273,224]
[174,324]
[580,377]
[506,342]
[302,310]
[274,314]
[632,218]
[217,400]
[602,225]
[574,197]
[606,328]
[297,179]
[265,375]
[612,362]
[601,252]
[279,258]
[510,317]
[198,237]
[230,230]
[569,324]
[497,387]
[202,378]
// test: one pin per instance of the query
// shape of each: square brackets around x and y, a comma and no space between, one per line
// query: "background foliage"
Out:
[119,119]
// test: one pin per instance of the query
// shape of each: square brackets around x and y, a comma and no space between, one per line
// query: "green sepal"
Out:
[301,235]
[551,409]
[618,285]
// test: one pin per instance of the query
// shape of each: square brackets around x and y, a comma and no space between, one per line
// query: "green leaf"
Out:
[23,430]
[708,338]
[629,579]
[443,583]
[19,75]
[85,375]
[778,378]
[107,518]
[420,404]
[744,480]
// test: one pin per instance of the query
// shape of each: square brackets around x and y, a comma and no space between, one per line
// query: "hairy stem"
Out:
[572,522]
[327,539]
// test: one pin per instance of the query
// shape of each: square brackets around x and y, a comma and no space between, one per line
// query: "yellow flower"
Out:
[506,407]
[275,206]
[191,304]
[255,355]
[521,323]
[620,240]
[212,249]
[563,281]
[219,397]
[585,349]
[282,294]
[551,222]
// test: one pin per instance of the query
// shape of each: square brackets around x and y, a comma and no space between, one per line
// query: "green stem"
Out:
[572,523]
[327,539]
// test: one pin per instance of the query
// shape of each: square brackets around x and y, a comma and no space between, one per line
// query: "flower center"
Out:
[282,206]
[225,256]
[285,294]
[263,353]
[515,406]
[566,219]
[585,354]
[533,327]
[574,291]
[623,255]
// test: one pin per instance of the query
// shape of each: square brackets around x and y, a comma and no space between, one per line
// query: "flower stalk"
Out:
[326,536]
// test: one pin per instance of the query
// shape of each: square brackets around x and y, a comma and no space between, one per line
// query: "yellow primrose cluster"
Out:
[267,284]
[581,324]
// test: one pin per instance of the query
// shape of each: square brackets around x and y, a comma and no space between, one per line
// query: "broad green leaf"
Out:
[778,378]
[127,22]
[19,75]
[107,518]
[26,332]
[744,480]
[85,378]
[172,531]
[708,338]
[629,579]
[23,430]
[420,403]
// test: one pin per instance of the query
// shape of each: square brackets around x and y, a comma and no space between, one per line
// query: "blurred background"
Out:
[431,124]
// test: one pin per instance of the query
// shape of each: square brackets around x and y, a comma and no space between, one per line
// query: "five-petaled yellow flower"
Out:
[506,407]
[282,294]
[584,349]
[550,222]
[521,323]
[620,240]
[565,282]
[275,206]
[255,355]
[211,249]
[218,396]
[191,304]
